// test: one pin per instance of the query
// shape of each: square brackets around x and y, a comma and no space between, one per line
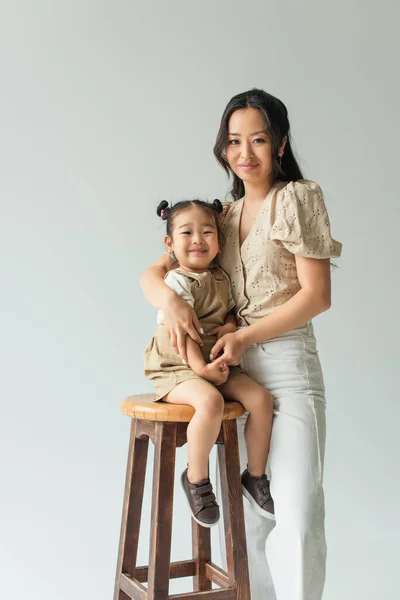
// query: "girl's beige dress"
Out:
[209,294]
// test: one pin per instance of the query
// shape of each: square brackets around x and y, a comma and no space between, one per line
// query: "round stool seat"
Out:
[143,407]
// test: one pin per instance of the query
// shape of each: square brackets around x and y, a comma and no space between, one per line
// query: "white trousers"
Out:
[287,558]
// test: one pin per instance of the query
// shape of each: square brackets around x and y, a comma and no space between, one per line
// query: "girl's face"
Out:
[194,239]
[249,150]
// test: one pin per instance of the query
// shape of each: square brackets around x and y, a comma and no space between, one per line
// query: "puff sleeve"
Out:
[181,285]
[301,222]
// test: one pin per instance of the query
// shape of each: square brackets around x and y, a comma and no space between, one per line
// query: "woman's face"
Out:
[249,149]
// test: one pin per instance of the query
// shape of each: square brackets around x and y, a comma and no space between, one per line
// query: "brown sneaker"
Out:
[201,499]
[256,490]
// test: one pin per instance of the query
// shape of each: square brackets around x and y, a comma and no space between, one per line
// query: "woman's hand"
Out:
[232,345]
[181,320]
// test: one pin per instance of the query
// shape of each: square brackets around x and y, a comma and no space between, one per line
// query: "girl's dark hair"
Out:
[277,126]
[168,213]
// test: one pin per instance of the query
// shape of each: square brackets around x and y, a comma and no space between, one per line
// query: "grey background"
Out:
[105,109]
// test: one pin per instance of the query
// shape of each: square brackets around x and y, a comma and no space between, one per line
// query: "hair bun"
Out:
[162,209]
[217,205]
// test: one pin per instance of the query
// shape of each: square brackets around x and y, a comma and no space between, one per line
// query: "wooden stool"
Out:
[166,424]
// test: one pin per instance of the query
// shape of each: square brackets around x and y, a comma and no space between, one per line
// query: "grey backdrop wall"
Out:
[106,108]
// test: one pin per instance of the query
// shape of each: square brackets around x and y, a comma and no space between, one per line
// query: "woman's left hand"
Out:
[232,346]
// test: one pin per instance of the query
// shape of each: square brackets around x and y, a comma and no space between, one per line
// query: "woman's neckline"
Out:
[241,210]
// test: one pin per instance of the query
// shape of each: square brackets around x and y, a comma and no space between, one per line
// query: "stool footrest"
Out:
[132,587]
[217,575]
[225,594]
[182,568]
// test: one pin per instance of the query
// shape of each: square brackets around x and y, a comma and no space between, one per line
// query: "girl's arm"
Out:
[217,371]
[179,318]
[229,326]
[313,298]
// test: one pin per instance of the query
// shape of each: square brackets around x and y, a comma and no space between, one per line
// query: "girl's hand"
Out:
[217,372]
[222,330]
[181,320]
[232,345]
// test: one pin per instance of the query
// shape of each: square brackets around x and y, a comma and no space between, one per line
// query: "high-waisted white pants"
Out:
[287,558]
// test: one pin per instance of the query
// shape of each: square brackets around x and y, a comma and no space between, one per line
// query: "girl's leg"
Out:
[205,424]
[259,404]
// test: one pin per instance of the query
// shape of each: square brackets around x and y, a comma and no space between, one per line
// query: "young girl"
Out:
[193,240]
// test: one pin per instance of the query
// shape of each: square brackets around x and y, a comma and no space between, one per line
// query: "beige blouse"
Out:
[293,220]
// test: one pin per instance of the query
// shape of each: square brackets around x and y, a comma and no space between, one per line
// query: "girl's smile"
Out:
[194,239]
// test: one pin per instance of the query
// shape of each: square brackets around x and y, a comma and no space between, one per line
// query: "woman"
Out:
[277,253]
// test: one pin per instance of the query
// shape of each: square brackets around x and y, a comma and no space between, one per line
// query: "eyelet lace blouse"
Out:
[293,220]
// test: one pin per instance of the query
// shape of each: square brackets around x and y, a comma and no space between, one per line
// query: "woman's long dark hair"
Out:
[277,126]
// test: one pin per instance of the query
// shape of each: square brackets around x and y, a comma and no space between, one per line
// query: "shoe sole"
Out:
[260,511]
[208,525]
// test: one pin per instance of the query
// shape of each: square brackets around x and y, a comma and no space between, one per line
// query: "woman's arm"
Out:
[152,282]
[179,318]
[313,298]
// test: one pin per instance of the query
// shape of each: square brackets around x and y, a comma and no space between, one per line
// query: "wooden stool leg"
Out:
[201,547]
[161,511]
[132,509]
[231,491]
